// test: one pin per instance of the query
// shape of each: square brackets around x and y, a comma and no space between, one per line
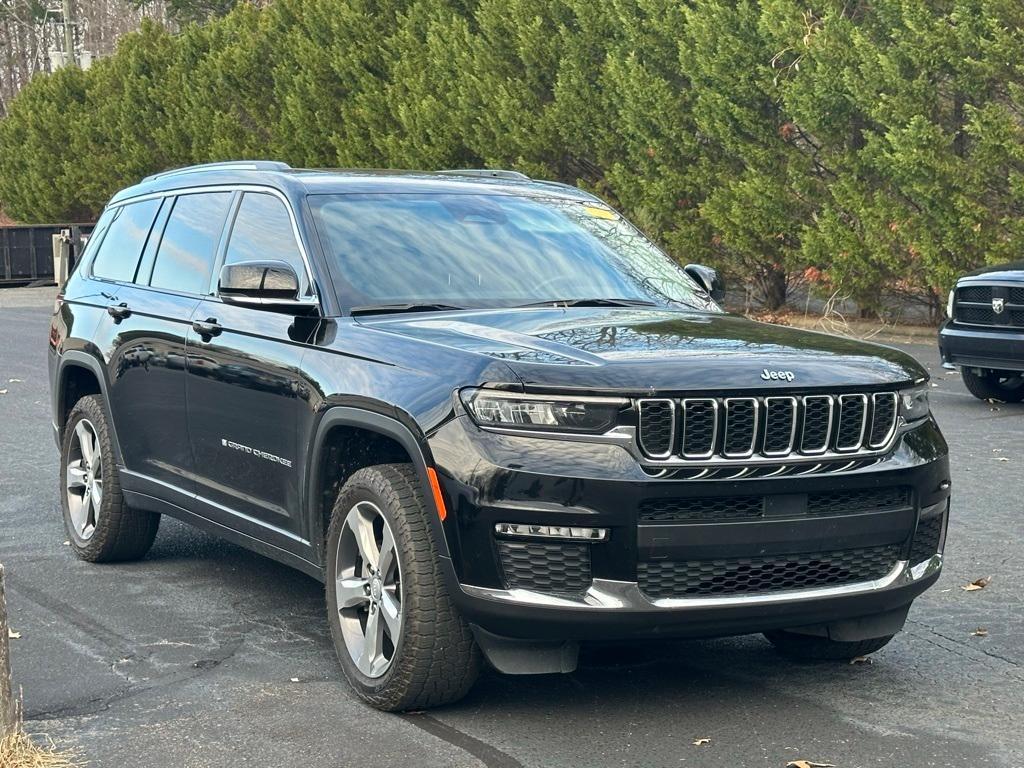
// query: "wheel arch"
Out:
[74,369]
[387,428]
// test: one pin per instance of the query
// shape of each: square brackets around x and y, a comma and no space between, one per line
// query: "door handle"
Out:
[207,328]
[119,311]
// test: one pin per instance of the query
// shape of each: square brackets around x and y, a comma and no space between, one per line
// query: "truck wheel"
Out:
[1006,386]
[101,527]
[401,643]
[813,648]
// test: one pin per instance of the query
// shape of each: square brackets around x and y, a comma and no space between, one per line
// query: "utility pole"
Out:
[8,719]
[69,34]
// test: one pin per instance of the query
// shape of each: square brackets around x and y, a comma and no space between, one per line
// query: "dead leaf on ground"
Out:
[295,679]
[808,764]
[980,632]
[701,742]
[977,584]
[3,391]
[861,660]
[12,635]
[1000,458]
[14,381]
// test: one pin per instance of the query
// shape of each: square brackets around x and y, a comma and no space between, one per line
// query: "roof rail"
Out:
[493,173]
[230,165]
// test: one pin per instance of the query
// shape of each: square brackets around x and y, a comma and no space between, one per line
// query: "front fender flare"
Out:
[373,422]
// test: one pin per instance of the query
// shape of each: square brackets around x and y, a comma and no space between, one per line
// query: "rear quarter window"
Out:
[125,238]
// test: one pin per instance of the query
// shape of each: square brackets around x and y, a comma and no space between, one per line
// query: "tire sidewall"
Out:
[349,497]
[88,408]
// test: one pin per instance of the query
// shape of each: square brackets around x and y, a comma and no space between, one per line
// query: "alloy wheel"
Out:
[368,586]
[84,479]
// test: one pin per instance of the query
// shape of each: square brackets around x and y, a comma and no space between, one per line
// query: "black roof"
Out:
[321,181]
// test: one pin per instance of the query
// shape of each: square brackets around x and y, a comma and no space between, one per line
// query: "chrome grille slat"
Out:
[779,424]
[657,433]
[741,418]
[705,411]
[853,420]
[724,432]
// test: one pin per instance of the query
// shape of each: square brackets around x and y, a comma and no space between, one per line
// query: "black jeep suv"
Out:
[984,332]
[491,416]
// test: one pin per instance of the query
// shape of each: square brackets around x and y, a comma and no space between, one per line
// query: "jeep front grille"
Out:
[776,427]
[977,304]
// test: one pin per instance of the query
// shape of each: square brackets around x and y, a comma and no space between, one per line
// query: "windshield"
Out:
[459,250]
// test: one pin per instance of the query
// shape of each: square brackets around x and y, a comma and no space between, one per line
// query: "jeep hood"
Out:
[643,351]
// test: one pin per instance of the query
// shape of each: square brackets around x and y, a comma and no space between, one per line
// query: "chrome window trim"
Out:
[753,439]
[863,423]
[895,417]
[828,430]
[714,427]
[609,595]
[792,424]
[672,433]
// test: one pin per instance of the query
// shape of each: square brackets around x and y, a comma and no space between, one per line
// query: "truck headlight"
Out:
[949,303]
[589,415]
[914,404]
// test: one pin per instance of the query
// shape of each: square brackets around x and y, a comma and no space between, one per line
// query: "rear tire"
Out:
[814,648]
[383,578]
[1005,386]
[101,527]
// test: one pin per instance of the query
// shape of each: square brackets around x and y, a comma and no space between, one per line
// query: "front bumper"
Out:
[977,347]
[491,479]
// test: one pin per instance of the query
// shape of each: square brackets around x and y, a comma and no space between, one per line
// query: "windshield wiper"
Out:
[596,302]
[382,309]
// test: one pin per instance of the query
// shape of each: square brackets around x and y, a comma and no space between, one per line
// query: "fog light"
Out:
[551,531]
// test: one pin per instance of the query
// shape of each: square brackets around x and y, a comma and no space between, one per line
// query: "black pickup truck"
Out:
[491,416]
[984,333]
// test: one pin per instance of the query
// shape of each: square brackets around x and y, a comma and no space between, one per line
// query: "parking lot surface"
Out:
[205,654]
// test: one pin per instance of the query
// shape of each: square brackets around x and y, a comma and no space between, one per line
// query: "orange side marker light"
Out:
[442,510]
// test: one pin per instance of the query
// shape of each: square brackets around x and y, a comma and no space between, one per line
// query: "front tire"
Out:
[1005,386]
[814,648]
[101,527]
[400,641]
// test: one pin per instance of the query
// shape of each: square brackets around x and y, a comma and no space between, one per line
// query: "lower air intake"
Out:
[764,575]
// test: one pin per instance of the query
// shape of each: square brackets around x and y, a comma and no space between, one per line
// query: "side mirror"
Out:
[708,279]
[259,282]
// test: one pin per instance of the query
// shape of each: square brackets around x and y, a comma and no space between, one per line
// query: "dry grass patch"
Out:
[19,751]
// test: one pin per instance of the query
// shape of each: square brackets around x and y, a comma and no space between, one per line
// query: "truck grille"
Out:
[736,428]
[976,305]
[762,575]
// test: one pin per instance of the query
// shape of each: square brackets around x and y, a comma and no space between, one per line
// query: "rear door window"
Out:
[184,260]
[124,240]
[263,231]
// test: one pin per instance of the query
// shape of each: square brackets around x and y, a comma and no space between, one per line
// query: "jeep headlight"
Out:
[914,404]
[949,303]
[590,415]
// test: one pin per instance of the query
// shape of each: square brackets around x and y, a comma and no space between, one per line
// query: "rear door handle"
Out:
[207,328]
[119,311]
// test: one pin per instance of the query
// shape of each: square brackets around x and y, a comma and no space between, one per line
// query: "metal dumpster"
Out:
[26,252]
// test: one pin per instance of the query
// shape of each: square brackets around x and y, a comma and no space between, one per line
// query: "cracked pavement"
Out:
[187,657]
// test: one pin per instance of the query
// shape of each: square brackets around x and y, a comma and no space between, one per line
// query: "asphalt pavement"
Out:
[205,654]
